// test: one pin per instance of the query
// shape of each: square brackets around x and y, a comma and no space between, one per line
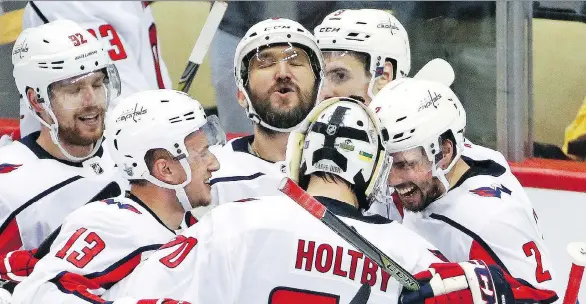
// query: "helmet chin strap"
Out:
[54,132]
[179,189]
[252,115]
[183,199]
[441,173]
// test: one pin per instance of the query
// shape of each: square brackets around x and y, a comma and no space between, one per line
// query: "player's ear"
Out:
[33,99]
[241,99]
[388,72]
[165,169]
[386,77]
[448,152]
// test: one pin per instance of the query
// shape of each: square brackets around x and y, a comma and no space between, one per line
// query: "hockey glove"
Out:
[460,283]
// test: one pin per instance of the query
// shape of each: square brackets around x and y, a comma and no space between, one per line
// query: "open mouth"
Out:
[89,118]
[406,191]
[285,90]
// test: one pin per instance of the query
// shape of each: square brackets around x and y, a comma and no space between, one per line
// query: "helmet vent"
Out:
[360,22]
[45,41]
[402,139]
[352,34]
[252,35]
[402,118]
[164,101]
[300,30]
[116,144]
[334,18]
[399,135]
[57,62]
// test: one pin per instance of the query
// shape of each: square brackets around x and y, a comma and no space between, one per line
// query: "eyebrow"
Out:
[337,69]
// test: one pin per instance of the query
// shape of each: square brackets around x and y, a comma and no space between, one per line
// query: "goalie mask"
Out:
[158,119]
[299,45]
[61,57]
[343,137]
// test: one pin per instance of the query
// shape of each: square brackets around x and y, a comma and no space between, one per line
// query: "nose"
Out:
[283,70]
[326,92]
[214,164]
[88,96]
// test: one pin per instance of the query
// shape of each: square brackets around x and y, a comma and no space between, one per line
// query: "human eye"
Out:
[338,76]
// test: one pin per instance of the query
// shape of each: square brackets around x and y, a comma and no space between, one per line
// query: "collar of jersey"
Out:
[137,200]
[243,143]
[30,141]
[479,167]
[343,209]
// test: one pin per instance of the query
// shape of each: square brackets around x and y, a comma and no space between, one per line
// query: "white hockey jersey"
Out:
[487,216]
[243,175]
[393,209]
[271,250]
[98,245]
[128,31]
[38,191]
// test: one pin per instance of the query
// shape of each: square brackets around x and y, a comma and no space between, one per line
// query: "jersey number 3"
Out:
[80,258]
[117,51]
[530,249]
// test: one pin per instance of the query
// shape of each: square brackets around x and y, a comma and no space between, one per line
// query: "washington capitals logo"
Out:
[122,206]
[7,168]
[493,191]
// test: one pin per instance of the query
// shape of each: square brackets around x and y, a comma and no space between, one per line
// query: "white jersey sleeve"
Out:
[264,250]
[98,245]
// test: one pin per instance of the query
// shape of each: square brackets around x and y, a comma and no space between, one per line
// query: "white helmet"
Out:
[343,137]
[57,51]
[374,32]
[269,33]
[416,113]
[157,119]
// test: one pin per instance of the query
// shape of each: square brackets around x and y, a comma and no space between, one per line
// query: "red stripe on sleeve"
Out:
[10,239]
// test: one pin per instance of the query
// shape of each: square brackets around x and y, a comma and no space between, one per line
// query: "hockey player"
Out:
[126,28]
[270,250]
[160,141]
[278,70]
[68,80]
[364,50]
[467,208]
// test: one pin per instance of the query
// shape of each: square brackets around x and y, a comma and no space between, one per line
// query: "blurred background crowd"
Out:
[519,65]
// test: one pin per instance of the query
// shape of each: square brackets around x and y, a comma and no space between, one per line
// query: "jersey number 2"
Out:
[530,249]
[79,259]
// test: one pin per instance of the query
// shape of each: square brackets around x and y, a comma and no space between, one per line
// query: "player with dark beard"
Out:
[279,71]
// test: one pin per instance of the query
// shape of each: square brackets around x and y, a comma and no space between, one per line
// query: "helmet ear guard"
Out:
[365,183]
